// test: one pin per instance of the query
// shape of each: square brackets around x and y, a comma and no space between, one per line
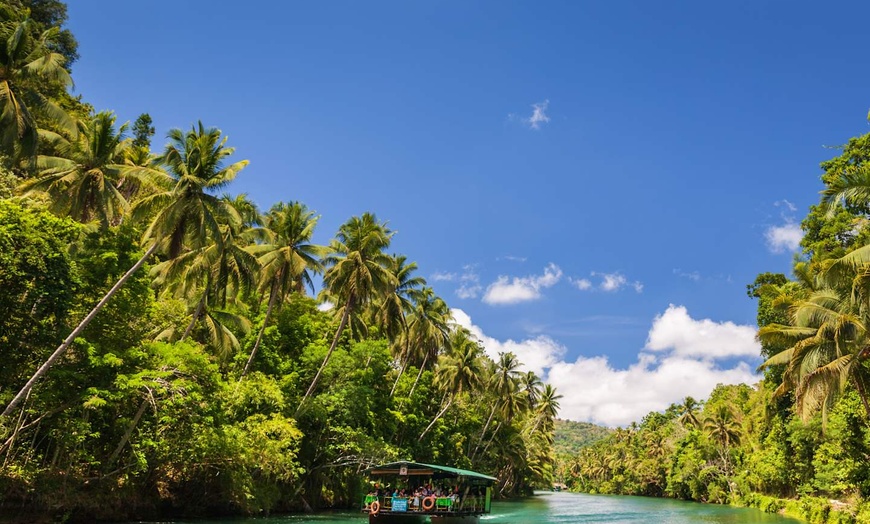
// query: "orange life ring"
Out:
[428,503]
[375,507]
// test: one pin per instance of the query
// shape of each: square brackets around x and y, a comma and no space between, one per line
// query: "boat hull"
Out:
[393,518]
[455,519]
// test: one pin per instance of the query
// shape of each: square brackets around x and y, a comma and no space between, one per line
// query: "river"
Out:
[570,508]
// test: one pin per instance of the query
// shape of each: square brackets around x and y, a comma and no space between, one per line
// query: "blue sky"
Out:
[589,184]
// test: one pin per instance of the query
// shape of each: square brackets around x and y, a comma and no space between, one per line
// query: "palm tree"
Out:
[396,306]
[359,271]
[531,384]
[459,371]
[428,330]
[722,425]
[504,384]
[216,273]
[827,343]
[185,212]
[84,176]
[689,413]
[547,410]
[27,64]
[288,258]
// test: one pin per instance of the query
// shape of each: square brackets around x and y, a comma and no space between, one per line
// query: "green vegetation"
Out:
[799,441]
[160,354]
[572,436]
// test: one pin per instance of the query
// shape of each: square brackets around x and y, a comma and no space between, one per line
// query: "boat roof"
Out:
[433,470]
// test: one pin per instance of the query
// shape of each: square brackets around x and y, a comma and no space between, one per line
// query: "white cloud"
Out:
[469,283]
[613,281]
[593,390]
[539,115]
[609,282]
[691,275]
[582,284]
[536,354]
[680,360]
[506,290]
[784,238]
[785,203]
[676,332]
[325,306]
[444,276]
[513,258]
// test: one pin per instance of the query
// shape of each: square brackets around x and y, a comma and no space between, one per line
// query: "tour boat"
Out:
[411,492]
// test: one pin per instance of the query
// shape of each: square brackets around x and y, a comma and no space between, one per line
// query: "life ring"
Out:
[428,503]
[375,507]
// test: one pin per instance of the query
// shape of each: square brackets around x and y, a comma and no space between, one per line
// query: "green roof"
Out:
[417,468]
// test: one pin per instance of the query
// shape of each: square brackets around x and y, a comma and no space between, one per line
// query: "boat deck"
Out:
[440,506]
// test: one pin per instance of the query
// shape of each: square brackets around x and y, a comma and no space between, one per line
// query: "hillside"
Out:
[571,436]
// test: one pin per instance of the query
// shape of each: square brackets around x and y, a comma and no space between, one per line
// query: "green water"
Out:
[569,508]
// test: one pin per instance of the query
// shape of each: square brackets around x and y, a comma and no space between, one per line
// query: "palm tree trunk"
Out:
[196,314]
[401,372]
[341,326]
[129,432]
[272,299]
[488,444]
[420,374]
[75,333]
[862,391]
[434,420]
[485,427]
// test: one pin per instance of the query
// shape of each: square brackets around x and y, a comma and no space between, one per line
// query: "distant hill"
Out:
[571,436]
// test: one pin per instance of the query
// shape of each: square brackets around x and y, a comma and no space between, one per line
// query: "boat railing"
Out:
[468,504]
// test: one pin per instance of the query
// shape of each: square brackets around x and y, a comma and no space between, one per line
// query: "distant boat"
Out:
[411,492]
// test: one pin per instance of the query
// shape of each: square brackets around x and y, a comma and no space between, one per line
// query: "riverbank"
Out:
[815,510]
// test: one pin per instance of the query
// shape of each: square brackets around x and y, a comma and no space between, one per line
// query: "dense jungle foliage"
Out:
[572,436]
[162,353]
[800,434]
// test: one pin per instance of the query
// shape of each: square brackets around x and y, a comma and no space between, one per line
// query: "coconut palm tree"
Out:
[689,413]
[723,427]
[547,410]
[27,63]
[216,273]
[183,214]
[504,384]
[359,271]
[84,176]
[428,330]
[288,258]
[459,371]
[531,386]
[392,312]
[827,344]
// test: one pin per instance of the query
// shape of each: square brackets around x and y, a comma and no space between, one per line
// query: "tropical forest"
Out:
[798,442]
[169,349]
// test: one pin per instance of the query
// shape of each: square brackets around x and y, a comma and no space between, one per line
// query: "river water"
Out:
[570,508]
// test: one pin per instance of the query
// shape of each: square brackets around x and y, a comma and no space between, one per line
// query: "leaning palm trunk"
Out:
[483,433]
[77,331]
[128,432]
[489,443]
[419,374]
[272,299]
[196,314]
[401,372]
[341,326]
[434,420]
